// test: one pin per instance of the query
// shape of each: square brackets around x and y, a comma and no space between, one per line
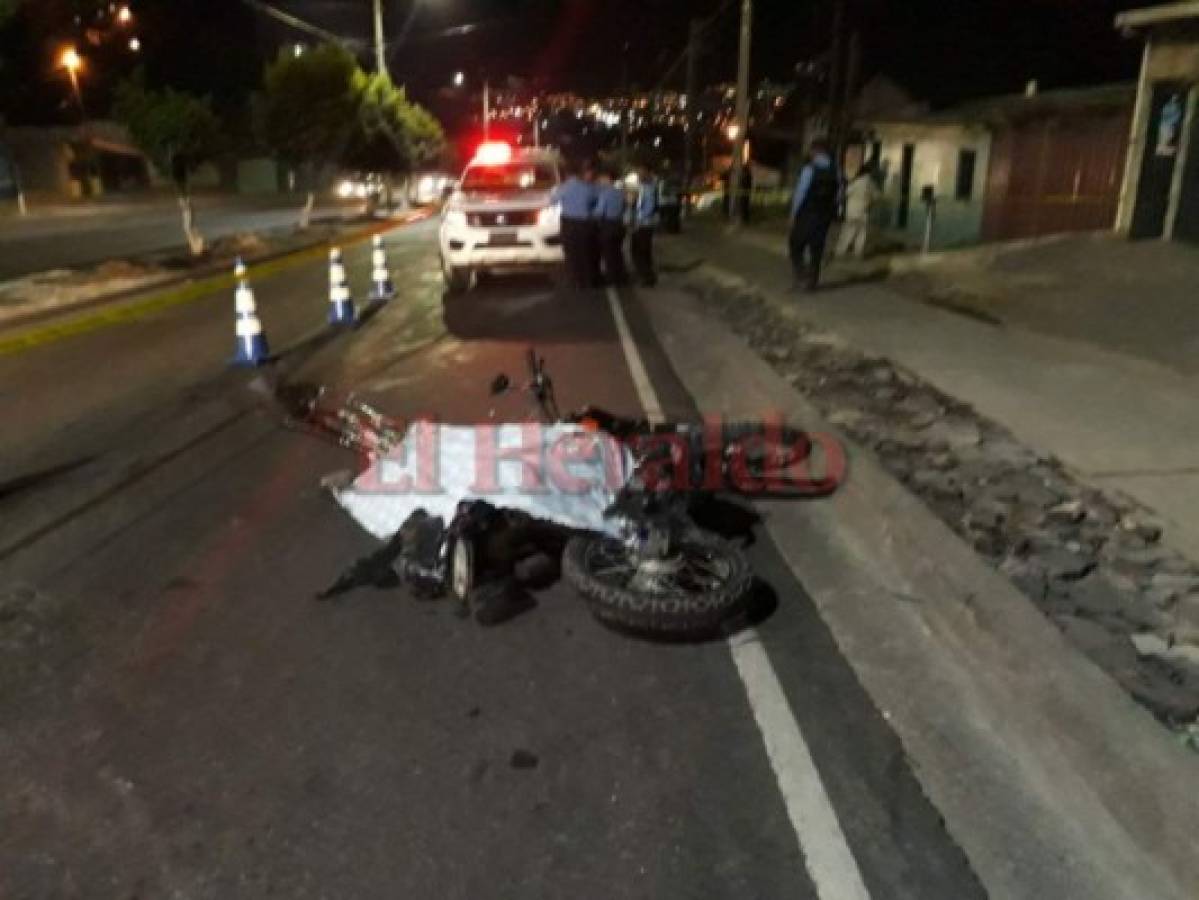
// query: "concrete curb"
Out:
[1052,780]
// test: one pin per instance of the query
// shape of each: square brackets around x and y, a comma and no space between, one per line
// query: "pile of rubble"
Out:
[1093,563]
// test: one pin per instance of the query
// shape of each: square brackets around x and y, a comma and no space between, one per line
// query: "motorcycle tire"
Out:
[601,568]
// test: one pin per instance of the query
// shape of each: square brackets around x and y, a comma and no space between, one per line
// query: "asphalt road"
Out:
[41,243]
[182,720]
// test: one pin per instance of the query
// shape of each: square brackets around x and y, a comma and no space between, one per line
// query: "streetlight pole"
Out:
[72,62]
[380,54]
[742,112]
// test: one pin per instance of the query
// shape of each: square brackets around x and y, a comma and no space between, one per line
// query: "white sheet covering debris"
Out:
[560,473]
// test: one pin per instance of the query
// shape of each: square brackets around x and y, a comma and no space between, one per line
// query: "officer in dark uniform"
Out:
[645,221]
[813,208]
[576,198]
[609,219]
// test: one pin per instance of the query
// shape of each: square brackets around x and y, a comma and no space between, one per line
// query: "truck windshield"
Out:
[510,177]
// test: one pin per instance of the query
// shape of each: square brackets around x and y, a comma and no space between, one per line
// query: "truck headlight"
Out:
[345,190]
[455,217]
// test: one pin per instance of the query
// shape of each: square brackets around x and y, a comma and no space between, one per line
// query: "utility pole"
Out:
[626,108]
[853,64]
[692,91]
[835,89]
[486,109]
[380,52]
[741,116]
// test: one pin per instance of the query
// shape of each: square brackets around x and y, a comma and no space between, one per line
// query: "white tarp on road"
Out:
[560,473]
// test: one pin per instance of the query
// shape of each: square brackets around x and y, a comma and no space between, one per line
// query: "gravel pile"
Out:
[1093,563]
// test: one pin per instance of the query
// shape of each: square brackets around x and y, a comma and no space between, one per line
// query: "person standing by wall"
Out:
[813,208]
[609,216]
[860,196]
[576,198]
[645,221]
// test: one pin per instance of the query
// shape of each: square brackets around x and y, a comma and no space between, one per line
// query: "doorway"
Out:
[905,184]
[1167,108]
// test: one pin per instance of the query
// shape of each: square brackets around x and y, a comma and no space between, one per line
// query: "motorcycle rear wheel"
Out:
[691,592]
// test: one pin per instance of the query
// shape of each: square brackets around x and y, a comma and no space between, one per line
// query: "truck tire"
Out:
[457,278]
[591,565]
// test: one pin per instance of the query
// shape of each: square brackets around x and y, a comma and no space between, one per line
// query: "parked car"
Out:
[429,188]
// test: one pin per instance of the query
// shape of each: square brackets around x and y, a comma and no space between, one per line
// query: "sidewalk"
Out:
[1042,454]
[1053,784]
[1120,421]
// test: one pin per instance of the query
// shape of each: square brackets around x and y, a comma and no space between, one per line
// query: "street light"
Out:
[124,15]
[73,62]
[459,81]
[135,44]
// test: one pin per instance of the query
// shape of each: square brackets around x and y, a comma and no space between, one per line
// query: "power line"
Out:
[702,26]
[300,25]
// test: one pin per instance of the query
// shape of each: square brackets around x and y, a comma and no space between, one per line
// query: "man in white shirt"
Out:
[860,196]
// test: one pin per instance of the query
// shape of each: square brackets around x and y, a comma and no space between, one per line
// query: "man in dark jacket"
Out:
[609,219]
[813,208]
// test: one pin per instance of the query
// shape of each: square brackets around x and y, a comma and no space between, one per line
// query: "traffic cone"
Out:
[382,287]
[252,348]
[341,305]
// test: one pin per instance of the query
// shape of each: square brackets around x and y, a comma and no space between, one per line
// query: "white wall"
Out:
[935,163]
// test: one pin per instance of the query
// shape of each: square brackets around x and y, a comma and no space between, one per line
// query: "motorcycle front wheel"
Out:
[690,592]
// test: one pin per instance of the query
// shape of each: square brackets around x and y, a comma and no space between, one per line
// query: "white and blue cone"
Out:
[252,349]
[382,287]
[341,304]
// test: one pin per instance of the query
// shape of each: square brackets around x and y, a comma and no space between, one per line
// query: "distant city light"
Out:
[657,142]
[733,131]
[459,79]
[71,60]
[134,44]
[297,50]
[124,15]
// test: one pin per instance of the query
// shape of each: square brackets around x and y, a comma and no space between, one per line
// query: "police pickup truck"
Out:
[501,216]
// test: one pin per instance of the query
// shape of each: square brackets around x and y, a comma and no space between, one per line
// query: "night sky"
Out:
[941,50]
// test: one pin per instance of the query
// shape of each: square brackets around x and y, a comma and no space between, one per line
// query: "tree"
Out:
[308,110]
[391,133]
[178,132]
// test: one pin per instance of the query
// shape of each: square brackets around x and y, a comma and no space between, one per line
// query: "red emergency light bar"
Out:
[493,153]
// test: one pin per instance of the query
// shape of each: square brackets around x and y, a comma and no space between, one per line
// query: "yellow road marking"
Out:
[122,311]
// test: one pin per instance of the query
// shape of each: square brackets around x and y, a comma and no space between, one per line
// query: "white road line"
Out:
[826,852]
[829,860]
[645,387]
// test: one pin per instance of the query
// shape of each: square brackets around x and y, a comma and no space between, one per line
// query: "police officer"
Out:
[609,219]
[813,208]
[576,198]
[645,221]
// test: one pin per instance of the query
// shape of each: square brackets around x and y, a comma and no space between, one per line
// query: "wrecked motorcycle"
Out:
[661,572]
[615,508]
